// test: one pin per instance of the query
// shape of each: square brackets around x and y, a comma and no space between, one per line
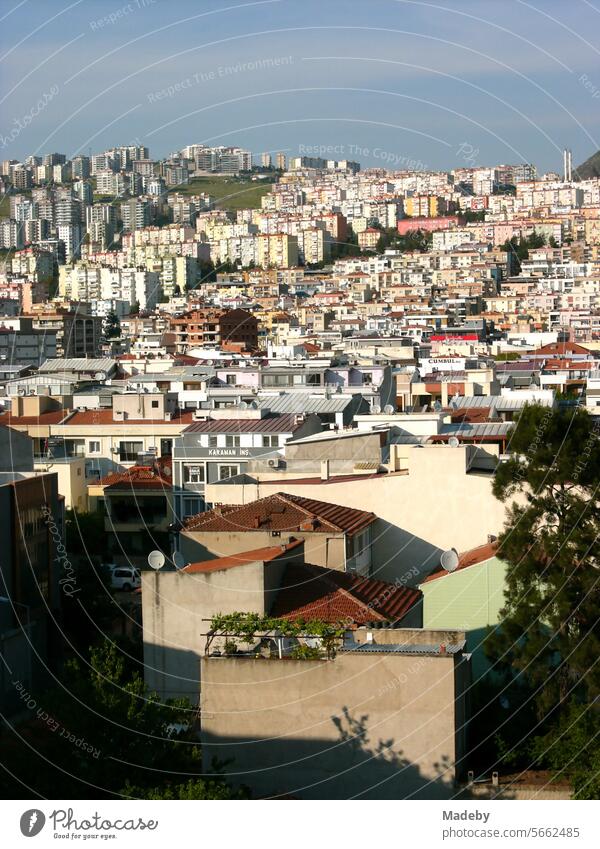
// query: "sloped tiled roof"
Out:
[105,417]
[140,477]
[49,418]
[313,592]
[257,555]
[283,512]
[467,558]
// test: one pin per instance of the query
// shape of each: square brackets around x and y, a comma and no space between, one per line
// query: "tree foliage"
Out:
[550,634]
[102,732]
[548,643]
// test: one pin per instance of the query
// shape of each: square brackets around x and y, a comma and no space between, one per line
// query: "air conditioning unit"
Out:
[274,464]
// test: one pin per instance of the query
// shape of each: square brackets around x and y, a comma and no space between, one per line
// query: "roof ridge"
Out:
[291,500]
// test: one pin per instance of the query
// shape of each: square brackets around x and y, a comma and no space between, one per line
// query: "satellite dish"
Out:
[178,559]
[156,560]
[453,442]
[449,560]
[99,375]
[376,409]
[243,405]
[388,409]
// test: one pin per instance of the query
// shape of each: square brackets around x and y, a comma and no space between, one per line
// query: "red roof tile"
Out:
[312,592]
[561,349]
[141,477]
[467,558]
[257,555]
[283,512]
[53,417]
[105,417]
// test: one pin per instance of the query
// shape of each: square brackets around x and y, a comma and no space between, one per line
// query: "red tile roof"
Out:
[283,512]
[257,555]
[560,349]
[53,417]
[312,592]
[467,558]
[141,477]
[105,417]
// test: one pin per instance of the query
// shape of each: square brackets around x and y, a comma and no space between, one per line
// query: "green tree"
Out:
[112,325]
[549,640]
[200,788]
[102,731]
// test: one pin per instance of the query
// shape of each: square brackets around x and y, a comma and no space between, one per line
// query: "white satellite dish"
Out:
[178,559]
[376,409]
[156,559]
[453,442]
[388,409]
[449,560]
[243,405]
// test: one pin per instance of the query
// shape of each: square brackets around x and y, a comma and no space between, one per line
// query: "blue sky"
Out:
[383,80]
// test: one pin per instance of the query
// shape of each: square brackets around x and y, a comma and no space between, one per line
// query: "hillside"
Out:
[588,169]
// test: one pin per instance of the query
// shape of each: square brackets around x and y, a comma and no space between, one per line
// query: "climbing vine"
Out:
[244,627]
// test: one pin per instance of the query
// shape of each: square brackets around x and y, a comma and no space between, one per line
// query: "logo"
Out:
[32,822]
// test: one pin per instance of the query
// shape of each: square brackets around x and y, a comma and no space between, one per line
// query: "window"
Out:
[270,440]
[166,447]
[154,405]
[232,441]
[313,379]
[212,441]
[367,378]
[193,506]
[94,447]
[193,474]
[231,379]
[128,451]
[227,472]
[277,379]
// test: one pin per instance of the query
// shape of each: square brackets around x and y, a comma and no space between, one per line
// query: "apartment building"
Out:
[219,448]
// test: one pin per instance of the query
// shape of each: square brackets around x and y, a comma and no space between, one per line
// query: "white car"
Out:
[125,578]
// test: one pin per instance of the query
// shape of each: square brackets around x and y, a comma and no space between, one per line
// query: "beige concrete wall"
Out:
[436,506]
[174,605]
[71,481]
[320,549]
[379,725]
[363,447]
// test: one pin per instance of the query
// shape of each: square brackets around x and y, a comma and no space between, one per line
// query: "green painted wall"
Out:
[468,600]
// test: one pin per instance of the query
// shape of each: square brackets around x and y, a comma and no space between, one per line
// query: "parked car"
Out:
[125,578]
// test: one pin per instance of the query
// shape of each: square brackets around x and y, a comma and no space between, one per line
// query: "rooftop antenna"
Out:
[449,560]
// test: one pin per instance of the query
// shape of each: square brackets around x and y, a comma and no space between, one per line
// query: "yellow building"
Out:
[277,250]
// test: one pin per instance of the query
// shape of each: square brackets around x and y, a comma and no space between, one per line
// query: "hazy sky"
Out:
[384,81]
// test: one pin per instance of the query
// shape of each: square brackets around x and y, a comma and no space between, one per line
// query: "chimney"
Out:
[256,521]
[442,649]
[324,470]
